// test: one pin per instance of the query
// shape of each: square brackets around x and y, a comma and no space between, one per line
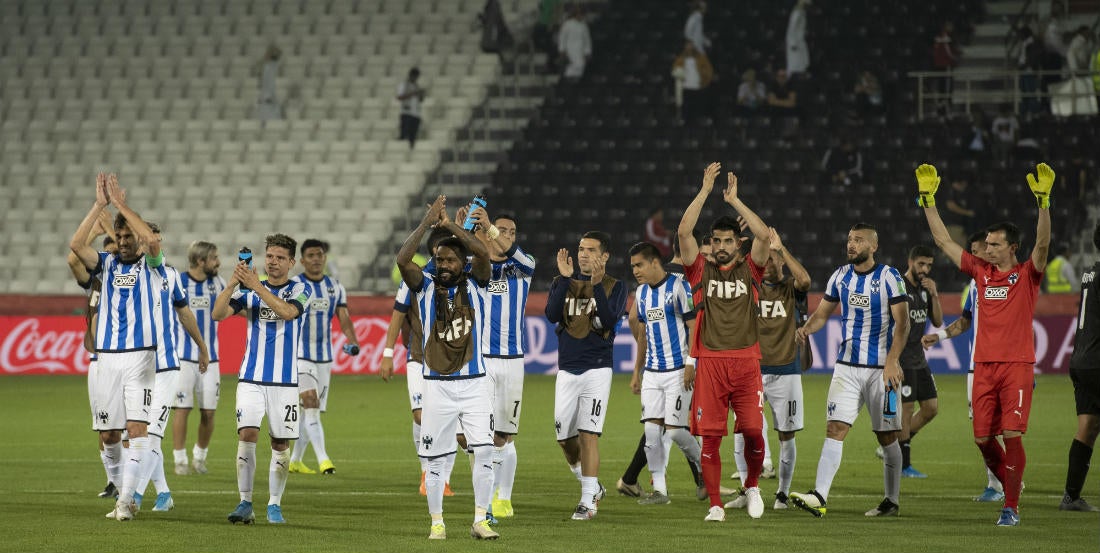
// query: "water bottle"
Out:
[245,255]
[890,403]
[478,201]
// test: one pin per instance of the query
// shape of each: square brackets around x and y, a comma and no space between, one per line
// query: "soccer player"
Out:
[782,304]
[451,303]
[663,306]
[198,389]
[725,339]
[1004,355]
[121,386]
[586,305]
[874,324]
[268,380]
[327,300]
[1084,369]
[919,387]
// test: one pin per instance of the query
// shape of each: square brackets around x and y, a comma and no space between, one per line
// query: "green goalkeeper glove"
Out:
[1041,186]
[927,184]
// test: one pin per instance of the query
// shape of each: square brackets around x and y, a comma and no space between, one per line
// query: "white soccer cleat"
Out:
[125,509]
[768,471]
[740,501]
[199,465]
[715,514]
[755,502]
[182,469]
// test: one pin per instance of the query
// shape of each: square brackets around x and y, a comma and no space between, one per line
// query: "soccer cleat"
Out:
[701,492]
[725,492]
[629,490]
[583,513]
[715,514]
[243,513]
[439,532]
[182,469]
[124,510]
[423,487]
[199,466]
[137,502]
[755,504]
[275,515]
[1078,504]
[502,508]
[809,502]
[910,472]
[447,491]
[885,509]
[1009,517]
[990,495]
[735,476]
[481,531]
[739,501]
[880,453]
[109,491]
[492,519]
[327,467]
[300,467]
[767,471]
[780,501]
[655,498]
[164,502]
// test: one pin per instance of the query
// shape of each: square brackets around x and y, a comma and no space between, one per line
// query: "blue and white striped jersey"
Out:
[168,296]
[970,305]
[663,308]
[325,296]
[476,296]
[125,321]
[505,326]
[271,352]
[200,295]
[865,300]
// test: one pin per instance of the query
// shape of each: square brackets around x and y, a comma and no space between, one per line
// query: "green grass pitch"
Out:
[52,473]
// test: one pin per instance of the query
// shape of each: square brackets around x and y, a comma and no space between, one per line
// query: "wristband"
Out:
[942,334]
[493,232]
[387,353]
[1043,200]
[689,361]
[926,200]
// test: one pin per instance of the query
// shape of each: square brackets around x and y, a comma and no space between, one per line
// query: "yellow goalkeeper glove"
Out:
[1041,186]
[927,184]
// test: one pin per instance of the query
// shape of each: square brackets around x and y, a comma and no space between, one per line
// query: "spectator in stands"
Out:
[546,28]
[958,213]
[495,36]
[575,43]
[1054,45]
[1028,54]
[782,98]
[694,74]
[410,95]
[1061,277]
[977,142]
[798,52]
[1077,53]
[842,165]
[693,28]
[868,93]
[751,94]
[656,234]
[267,102]
[1006,129]
[945,57]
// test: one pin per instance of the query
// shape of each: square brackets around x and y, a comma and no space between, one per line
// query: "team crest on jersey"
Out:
[200,302]
[285,294]
[331,291]
[874,283]
[1013,278]
[124,281]
[996,293]
[498,287]
[268,314]
[164,285]
[210,288]
[859,300]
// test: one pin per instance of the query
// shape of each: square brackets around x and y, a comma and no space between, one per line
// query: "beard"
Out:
[722,258]
[858,257]
[449,279]
[211,272]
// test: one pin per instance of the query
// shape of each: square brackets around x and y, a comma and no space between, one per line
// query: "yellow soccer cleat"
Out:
[300,467]
[502,508]
[327,467]
[439,532]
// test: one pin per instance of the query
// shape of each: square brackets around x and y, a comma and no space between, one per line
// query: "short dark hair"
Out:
[107,241]
[864,226]
[414,72]
[437,234]
[725,222]
[975,237]
[153,227]
[507,216]
[648,251]
[281,241]
[920,250]
[120,221]
[314,243]
[1096,236]
[1012,232]
[452,243]
[600,236]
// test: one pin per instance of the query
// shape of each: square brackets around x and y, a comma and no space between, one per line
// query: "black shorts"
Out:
[1086,390]
[918,385]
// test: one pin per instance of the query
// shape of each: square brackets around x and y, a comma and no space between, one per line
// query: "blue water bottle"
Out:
[478,201]
[890,404]
[245,255]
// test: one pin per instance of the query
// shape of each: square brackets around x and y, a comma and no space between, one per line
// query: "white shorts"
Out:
[195,388]
[664,397]
[120,388]
[315,376]
[451,407]
[164,394]
[850,388]
[507,378]
[414,374]
[580,402]
[784,393]
[279,403]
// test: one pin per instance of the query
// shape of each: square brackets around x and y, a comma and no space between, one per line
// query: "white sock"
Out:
[739,456]
[666,443]
[589,485]
[106,460]
[448,467]
[298,451]
[655,455]
[831,453]
[156,471]
[198,452]
[498,466]
[112,455]
[316,433]
[891,471]
[246,469]
[482,475]
[136,460]
[687,444]
[278,470]
[767,448]
[179,456]
[507,477]
[993,482]
[576,470]
[434,482]
[788,452]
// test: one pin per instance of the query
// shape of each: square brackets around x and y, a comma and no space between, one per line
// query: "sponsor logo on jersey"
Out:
[319,304]
[268,314]
[1087,278]
[859,300]
[200,302]
[918,316]
[654,315]
[124,281]
[996,293]
[498,287]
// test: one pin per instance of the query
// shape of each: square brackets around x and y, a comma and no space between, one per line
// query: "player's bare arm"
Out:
[191,326]
[412,273]
[1041,183]
[81,244]
[891,373]
[222,310]
[689,365]
[928,181]
[825,309]
[397,320]
[689,249]
[756,225]
[346,325]
[956,328]
[638,330]
[481,268]
[248,278]
[799,273]
[138,226]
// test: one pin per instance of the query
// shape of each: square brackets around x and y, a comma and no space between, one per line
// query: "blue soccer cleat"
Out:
[275,515]
[1009,517]
[910,472]
[164,502]
[990,495]
[243,513]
